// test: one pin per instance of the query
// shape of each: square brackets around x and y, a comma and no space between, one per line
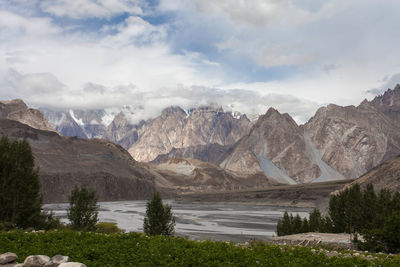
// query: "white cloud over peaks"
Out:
[249,55]
[81,9]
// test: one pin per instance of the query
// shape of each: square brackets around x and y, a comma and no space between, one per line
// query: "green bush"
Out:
[134,249]
[107,228]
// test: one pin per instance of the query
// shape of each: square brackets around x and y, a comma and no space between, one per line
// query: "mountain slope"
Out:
[352,139]
[277,146]
[68,161]
[192,175]
[386,175]
[336,143]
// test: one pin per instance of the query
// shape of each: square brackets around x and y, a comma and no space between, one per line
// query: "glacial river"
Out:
[214,221]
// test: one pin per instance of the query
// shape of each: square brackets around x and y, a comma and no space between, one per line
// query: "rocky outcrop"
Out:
[175,128]
[96,163]
[17,110]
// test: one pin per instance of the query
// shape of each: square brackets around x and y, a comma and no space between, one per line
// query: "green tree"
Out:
[304,226]
[315,221]
[384,207]
[286,224]
[158,219]
[20,199]
[368,208]
[353,209]
[83,209]
[297,224]
[391,232]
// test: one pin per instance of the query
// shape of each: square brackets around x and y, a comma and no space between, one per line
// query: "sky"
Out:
[245,55]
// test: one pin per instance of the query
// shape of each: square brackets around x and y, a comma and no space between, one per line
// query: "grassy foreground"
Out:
[136,249]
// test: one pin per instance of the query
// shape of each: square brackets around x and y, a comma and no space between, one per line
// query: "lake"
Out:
[214,221]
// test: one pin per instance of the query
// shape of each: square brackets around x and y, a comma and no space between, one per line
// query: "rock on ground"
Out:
[8,258]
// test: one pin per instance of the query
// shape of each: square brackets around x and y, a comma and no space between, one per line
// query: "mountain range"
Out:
[336,143]
[204,149]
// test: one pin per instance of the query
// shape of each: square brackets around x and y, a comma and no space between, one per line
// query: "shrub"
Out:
[107,228]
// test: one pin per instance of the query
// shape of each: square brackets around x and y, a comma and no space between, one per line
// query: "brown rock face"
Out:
[17,110]
[96,163]
[354,139]
[385,175]
[175,129]
[122,132]
[277,146]
[213,153]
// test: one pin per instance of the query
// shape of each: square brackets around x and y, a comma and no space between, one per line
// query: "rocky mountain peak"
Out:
[175,129]
[120,119]
[272,112]
[16,109]
[173,111]
[274,117]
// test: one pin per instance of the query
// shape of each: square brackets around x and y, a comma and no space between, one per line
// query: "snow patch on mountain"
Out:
[78,121]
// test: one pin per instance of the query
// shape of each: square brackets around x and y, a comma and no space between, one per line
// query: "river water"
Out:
[214,221]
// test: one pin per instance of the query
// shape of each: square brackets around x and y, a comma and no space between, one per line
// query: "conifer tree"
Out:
[286,224]
[158,219]
[297,224]
[20,199]
[304,226]
[315,221]
[83,209]
[368,208]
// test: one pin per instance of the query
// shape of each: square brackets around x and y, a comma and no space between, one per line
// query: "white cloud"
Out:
[311,52]
[82,9]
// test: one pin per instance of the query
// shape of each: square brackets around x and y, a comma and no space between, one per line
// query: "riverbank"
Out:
[311,195]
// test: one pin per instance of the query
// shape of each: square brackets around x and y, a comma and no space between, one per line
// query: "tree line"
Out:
[376,217]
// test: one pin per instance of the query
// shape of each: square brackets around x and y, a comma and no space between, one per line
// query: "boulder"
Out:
[36,261]
[8,258]
[57,260]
